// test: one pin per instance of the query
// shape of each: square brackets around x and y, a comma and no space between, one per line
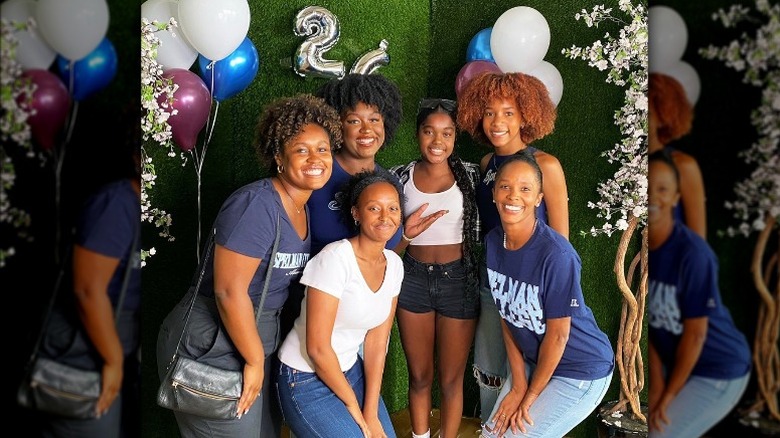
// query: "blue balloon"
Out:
[479,47]
[231,74]
[90,73]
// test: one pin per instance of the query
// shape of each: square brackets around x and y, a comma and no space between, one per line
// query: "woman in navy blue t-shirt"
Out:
[699,360]
[561,362]
[296,139]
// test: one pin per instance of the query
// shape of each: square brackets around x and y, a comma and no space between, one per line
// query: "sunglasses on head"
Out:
[432,103]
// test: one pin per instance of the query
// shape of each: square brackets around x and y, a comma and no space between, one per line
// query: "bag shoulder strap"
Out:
[57,286]
[266,284]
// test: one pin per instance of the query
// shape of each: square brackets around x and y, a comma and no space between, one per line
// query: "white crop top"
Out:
[448,229]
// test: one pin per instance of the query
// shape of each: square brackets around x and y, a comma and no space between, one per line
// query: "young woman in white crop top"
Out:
[439,292]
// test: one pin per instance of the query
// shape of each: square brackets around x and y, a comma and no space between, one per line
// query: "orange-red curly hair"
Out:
[669,104]
[537,111]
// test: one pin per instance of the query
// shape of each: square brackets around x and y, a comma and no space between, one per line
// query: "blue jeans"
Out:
[311,409]
[700,405]
[563,404]
[490,362]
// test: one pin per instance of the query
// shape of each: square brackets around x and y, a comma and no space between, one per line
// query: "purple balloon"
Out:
[193,102]
[51,102]
[472,69]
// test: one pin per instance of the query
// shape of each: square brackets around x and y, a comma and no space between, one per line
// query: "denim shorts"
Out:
[436,287]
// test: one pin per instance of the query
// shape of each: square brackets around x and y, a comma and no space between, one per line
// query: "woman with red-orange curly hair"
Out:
[507,112]
[670,117]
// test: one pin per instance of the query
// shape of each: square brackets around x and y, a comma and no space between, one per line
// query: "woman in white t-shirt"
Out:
[352,289]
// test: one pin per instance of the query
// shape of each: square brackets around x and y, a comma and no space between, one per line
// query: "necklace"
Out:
[532,232]
[297,210]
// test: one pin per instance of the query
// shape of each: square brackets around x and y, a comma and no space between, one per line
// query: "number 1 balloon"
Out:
[371,60]
[322,29]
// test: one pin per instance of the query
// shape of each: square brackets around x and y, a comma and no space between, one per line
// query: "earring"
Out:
[357,223]
[494,201]
[280,168]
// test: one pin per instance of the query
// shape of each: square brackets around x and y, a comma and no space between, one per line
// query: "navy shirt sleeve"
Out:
[246,224]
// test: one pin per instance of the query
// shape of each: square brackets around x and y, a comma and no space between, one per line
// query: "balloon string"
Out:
[197,162]
[211,130]
[72,121]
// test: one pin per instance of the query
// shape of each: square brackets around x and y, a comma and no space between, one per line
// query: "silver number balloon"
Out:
[321,28]
[372,60]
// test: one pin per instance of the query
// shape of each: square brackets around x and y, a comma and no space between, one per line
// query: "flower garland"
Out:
[155,126]
[14,130]
[758,56]
[625,57]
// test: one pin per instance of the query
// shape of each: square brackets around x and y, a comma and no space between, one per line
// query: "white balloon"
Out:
[174,50]
[668,38]
[551,78]
[215,28]
[32,51]
[686,75]
[519,39]
[73,28]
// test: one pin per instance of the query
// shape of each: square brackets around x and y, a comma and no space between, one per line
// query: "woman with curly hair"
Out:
[507,112]
[439,304]
[326,389]
[670,117]
[296,138]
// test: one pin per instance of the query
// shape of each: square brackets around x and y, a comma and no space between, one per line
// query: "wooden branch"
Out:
[765,350]
[629,335]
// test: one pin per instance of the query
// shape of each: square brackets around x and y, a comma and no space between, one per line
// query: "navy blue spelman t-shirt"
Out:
[684,284]
[246,224]
[541,281]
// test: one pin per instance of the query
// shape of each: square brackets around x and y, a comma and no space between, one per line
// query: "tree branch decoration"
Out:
[623,198]
[155,126]
[757,206]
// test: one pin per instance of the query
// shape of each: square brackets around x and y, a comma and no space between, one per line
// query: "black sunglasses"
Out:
[432,103]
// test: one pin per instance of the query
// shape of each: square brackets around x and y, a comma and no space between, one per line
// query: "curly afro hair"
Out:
[374,90]
[351,190]
[285,118]
[537,111]
[669,104]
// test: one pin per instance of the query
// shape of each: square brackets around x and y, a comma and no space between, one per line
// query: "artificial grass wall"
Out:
[427,47]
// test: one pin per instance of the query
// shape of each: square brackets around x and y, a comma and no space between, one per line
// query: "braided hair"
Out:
[470,217]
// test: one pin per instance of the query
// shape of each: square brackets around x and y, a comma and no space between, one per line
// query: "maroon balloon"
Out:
[471,70]
[51,103]
[193,102]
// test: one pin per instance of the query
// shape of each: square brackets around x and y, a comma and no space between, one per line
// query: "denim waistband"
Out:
[432,267]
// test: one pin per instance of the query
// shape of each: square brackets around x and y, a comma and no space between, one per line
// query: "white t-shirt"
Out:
[335,271]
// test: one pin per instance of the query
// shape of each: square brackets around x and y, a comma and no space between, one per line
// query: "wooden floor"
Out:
[469,427]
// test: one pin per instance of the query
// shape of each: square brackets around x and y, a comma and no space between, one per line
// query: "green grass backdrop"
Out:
[427,48]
